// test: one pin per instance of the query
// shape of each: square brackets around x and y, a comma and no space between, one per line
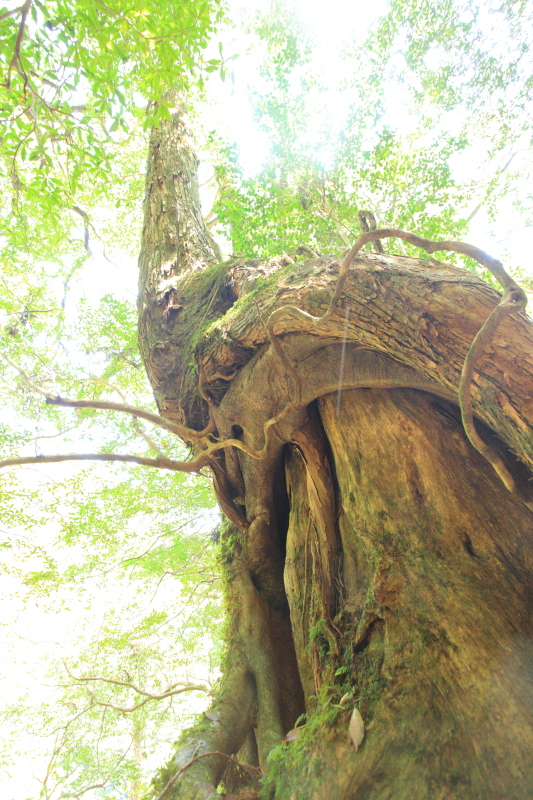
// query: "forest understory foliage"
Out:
[364,416]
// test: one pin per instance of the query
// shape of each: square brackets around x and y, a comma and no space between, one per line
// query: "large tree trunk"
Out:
[371,549]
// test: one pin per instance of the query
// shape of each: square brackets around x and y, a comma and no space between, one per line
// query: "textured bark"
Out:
[436,611]
[374,552]
[175,245]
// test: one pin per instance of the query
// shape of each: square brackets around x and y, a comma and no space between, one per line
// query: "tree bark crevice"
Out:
[375,553]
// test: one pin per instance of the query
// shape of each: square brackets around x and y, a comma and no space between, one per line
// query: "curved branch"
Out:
[15,59]
[492,264]
[131,709]
[159,463]
[149,695]
[188,434]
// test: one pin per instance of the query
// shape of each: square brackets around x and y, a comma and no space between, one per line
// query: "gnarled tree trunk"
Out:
[370,550]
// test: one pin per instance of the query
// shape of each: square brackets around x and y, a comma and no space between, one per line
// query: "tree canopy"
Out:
[426,124]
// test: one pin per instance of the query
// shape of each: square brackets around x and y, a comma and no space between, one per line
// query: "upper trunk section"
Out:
[175,240]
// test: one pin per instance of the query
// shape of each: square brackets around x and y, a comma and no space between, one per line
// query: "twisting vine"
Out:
[514,299]
[205,443]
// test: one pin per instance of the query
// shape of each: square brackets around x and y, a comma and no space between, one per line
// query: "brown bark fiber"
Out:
[372,549]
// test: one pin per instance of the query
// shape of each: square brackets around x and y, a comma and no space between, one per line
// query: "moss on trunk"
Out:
[375,553]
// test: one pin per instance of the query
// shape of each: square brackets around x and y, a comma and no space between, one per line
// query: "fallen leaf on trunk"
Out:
[291,735]
[356,728]
[344,699]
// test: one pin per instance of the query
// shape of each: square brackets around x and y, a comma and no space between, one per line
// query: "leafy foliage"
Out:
[432,116]
[75,80]
[431,122]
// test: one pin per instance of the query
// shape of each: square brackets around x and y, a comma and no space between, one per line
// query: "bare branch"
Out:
[72,719]
[175,688]
[13,13]
[131,709]
[55,435]
[158,463]
[185,433]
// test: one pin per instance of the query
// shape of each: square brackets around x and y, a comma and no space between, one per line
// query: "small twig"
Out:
[101,784]
[55,435]
[331,215]
[492,182]
[29,382]
[72,719]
